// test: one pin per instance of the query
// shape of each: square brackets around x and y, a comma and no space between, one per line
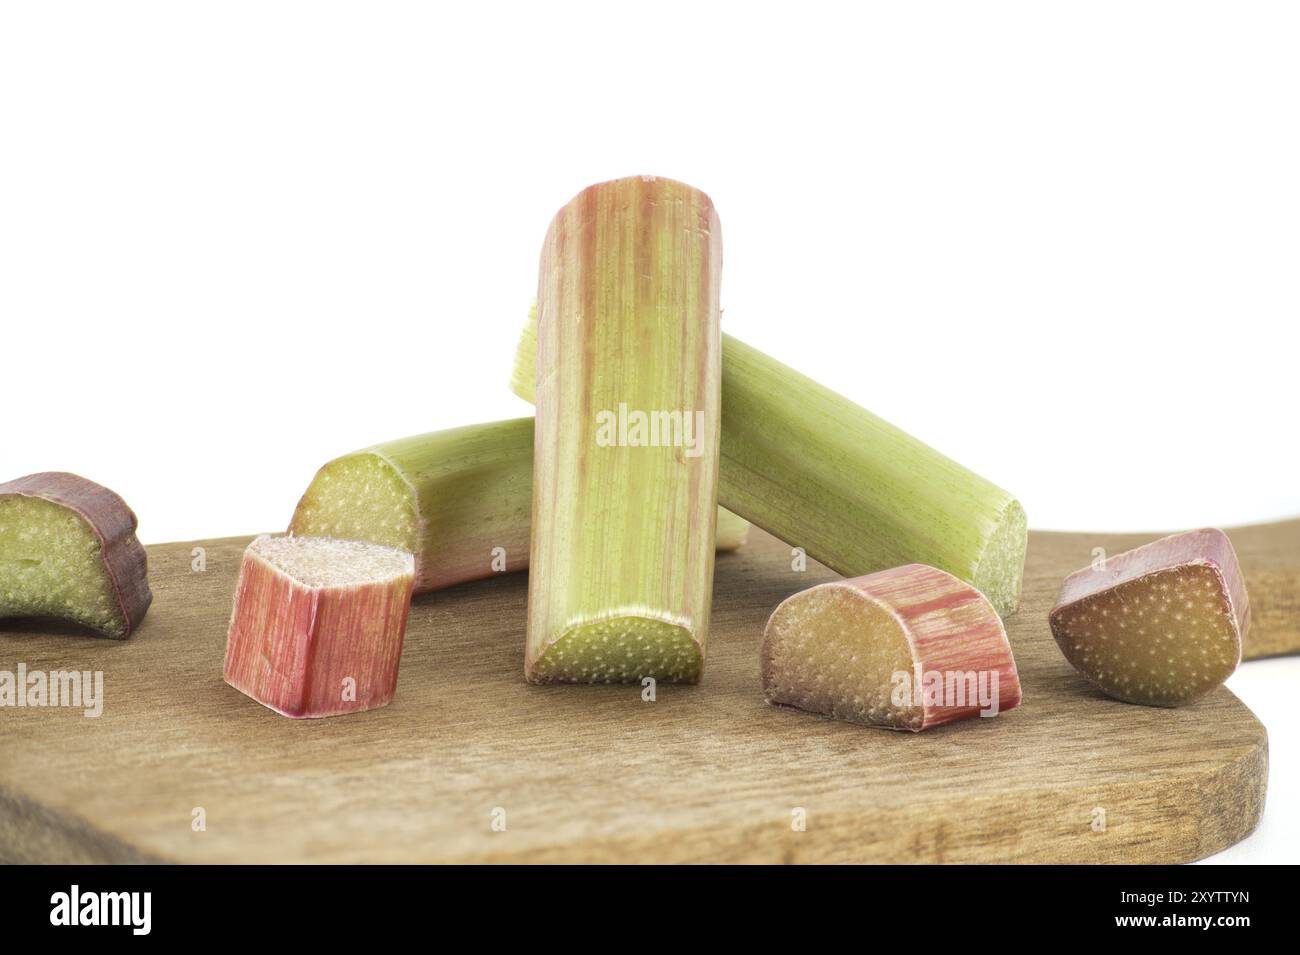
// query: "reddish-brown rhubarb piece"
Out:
[1160,625]
[318,624]
[68,550]
[908,649]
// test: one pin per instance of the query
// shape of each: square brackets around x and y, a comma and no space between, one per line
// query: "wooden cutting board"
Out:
[705,773]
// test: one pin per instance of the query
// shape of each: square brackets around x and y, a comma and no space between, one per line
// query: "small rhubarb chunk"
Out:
[1161,625]
[318,624]
[908,649]
[68,550]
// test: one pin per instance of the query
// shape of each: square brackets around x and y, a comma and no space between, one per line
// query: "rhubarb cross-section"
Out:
[1161,625]
[68,550]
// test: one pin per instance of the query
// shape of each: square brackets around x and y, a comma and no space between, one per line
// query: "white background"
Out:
[1059,242]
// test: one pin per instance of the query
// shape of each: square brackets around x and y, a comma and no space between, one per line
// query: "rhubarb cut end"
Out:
[1166,638]
[359,497]
[50,566]
[68,551]
[620,649]
[833,650]
[1001,567]
[1161,625]
[320,562]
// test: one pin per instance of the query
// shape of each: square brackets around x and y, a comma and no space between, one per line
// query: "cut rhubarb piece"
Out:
[908,648]
[625,466]
[1161,625]
[318,624]
[68,550]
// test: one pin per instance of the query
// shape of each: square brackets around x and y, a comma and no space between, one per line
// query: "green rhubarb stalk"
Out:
[733,530]
[852,490]
[459,500]
[625,461]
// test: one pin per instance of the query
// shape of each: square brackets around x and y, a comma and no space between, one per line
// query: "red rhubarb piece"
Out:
[908,648]
[318,624]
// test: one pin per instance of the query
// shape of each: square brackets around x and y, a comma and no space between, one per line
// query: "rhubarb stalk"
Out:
[459,500]
[625,461]
[733,530]
[855,492]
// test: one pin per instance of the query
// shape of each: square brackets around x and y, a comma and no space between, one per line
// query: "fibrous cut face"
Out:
[833,650]
[326,562]
[359,497]
[621,650]
[52,565]
[1163,639]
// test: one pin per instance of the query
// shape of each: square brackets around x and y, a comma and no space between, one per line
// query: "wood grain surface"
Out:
[703,773]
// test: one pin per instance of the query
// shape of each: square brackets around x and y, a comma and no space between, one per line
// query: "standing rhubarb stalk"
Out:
[855,492]
[733,530]
[625,461]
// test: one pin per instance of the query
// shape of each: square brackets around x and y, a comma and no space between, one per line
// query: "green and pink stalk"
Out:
[459,500]
[621,564]
[855,492]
